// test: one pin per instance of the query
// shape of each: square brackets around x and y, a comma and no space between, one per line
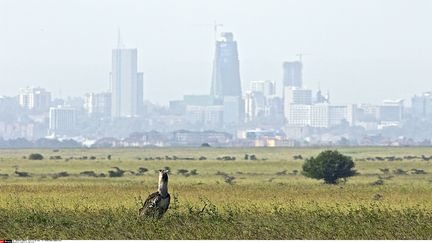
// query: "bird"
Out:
[157,203]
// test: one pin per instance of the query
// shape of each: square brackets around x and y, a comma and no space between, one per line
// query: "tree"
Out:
[35,157]
[330,166]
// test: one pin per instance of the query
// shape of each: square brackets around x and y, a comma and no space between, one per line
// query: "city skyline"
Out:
[339,55]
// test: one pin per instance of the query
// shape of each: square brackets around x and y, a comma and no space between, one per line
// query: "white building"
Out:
[295,95]
[61,120]
[35,99]
[98,104]
[297,106]
[255,105]
[320,115]
[126,84]
[298,114]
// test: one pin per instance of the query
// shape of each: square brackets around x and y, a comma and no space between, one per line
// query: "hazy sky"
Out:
[363,50]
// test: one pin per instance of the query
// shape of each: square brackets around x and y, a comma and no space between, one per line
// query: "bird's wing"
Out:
[150,203]
[152,200]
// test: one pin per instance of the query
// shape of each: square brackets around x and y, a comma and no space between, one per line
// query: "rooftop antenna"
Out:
[119,41]
[216,26]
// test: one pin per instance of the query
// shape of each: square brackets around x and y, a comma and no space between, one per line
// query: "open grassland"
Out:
[266,198]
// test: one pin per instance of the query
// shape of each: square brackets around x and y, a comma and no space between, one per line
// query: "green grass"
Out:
[259,205]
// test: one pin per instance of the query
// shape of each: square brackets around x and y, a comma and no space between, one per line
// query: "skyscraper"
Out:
[126,83]
[266,87]
[35,99]
[292,74]
[421,105]
[226,73]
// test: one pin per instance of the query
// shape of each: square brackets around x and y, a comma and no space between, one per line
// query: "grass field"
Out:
[267,198]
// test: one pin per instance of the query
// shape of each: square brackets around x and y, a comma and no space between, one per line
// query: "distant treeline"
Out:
[39,143]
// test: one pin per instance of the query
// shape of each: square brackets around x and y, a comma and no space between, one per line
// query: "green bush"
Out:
[205,145]
[116,173]
[330,166]
[35,157]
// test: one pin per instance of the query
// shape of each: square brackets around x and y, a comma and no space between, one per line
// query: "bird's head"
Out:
[163,175]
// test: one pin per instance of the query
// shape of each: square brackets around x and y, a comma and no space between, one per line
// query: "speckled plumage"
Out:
[158,202]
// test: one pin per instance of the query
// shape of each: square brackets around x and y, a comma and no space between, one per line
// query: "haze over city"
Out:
[215,73]
[215,120]
[361,51]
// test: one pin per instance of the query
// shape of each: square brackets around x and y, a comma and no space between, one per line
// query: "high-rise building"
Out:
[391,111]
[267,87]
[292,74]
[274,107]
[320,116]
[61,120]
[295,95]
[226,73]
[255,105]
[98,104]
[296,105]
[261,101]
[35,99]
[231,110]
[126,84]
[421,105]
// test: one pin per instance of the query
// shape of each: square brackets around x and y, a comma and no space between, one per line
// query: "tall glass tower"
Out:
[126,84]
[226,73]
[292,74]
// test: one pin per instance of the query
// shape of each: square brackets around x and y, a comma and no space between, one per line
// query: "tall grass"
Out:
[266,200]
[208,221]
